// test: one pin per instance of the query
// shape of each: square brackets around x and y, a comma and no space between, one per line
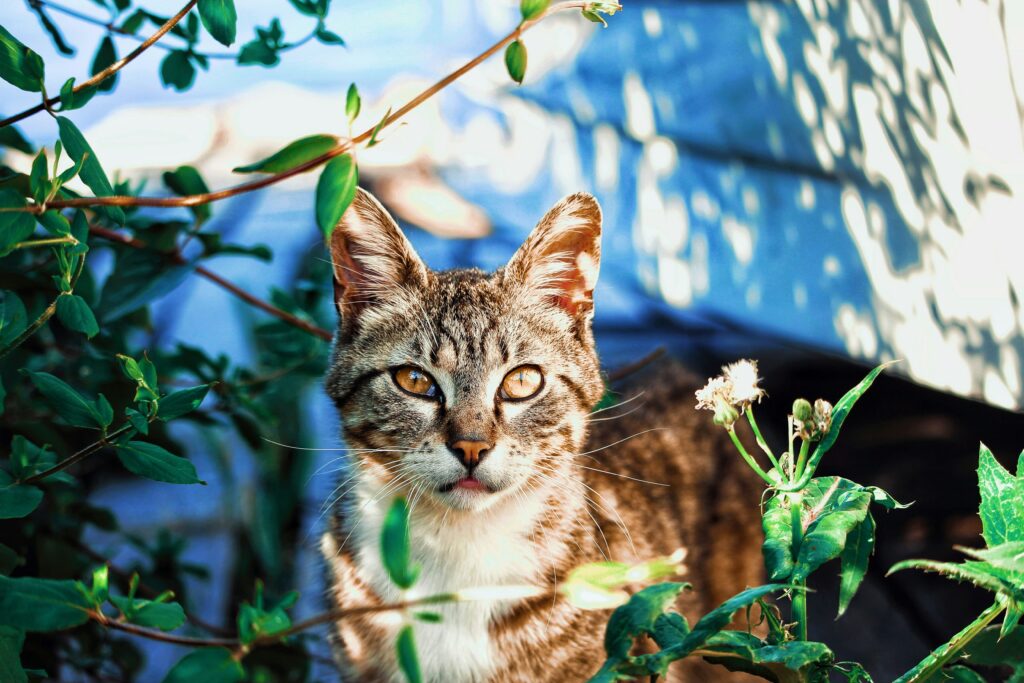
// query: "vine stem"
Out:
[110,70]
[78,456]
[943,654]
[343,146]
[220,281]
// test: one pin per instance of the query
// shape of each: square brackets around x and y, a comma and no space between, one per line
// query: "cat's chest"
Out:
[453,557]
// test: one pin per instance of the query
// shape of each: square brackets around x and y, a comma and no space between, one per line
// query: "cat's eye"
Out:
[414,381]
[522,383]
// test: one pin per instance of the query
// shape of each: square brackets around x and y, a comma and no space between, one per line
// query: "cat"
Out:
[471,394]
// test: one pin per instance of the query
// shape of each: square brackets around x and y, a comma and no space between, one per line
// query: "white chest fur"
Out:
[459,550]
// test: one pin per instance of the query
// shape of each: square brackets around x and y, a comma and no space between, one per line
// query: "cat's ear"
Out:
[371,257]
[560,259]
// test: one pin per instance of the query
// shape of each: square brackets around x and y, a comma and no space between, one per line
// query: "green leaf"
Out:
[394,542]
[989,649]
[106,54]
[182,402]
[74,313]
[328,37]
[789,662]
[515,61]
[139,277]
[981,574]
[11,137]
[71,100]
[42,604]
[100,585]
[207,665]
[833,507]
[255,622]
[531,9]
[718,618]
[153,462]
[15,226]
[11,640]
[9,560]
[92,173]
[51,28]
[165,616]
[590,15]
[335,191]
[778,540]
[39,178]
[13,317]
[72,406]
[955,674]
[638,616]
[20,66]
[257,52]
[353,103]
[1009,556]
[176,70]
[1002,500]
[17,500]
[185,181]
[294,154]
[220,19]
[860,544]
[373,141]
[407,659]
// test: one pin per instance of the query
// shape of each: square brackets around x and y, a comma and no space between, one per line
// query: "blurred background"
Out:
[820,184]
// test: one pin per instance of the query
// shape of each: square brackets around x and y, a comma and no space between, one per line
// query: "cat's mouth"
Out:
[468,484]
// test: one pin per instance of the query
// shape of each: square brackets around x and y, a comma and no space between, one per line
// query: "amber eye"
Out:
[414,381]
[522,383]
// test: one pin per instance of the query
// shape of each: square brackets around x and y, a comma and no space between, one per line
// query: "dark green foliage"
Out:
[292,155]
[335,191]
[395,545]
[515,61]
[407,658]
[207,665]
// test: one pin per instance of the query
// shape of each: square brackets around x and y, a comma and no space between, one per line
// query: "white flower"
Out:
[716,388]
[742,379]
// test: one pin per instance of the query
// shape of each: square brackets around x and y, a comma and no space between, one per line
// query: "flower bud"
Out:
[822,415]
[725,414]
[802,410]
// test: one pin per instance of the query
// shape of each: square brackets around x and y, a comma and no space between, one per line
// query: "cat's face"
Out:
[459,387]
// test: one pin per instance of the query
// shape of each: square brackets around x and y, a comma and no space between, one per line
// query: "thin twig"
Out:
[266,306]
[78,456]
[110,70]
[635,366]
[343,147]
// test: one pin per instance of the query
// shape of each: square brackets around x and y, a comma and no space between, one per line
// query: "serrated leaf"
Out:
[778,540]
[43,604]
[74,313]
[981,574]
[182,402]
[638,616]
[106,54]
[353,103]
[220,19]
[1002,501]
[860,544]
[92,173]
[530,9]
[335,191]
[207,665]
[789,662]
[395,550]
[408,661]
[1009,556]
[17,500]
[19,65]
[72,406]
[154,462]
[515,61]
[294,154]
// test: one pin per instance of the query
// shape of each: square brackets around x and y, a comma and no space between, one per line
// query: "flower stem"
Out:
[943,654]
[749,458]
[760,439]
[801,461]
[799,614]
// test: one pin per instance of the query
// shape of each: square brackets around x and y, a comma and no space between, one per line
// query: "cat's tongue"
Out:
[470,483]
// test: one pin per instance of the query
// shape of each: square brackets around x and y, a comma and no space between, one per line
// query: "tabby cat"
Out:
[473,395]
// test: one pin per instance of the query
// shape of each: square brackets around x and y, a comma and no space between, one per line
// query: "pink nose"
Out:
[470,453]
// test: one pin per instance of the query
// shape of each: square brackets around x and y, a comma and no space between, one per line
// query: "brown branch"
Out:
[110,70]
[637,365]
[343,147]
[234,289]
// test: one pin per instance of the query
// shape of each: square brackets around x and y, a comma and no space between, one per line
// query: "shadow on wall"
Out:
[842,175]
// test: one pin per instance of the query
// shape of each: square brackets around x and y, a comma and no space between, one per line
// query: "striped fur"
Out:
[555,500]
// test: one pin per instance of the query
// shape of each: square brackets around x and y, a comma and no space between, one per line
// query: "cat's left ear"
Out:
[561,258]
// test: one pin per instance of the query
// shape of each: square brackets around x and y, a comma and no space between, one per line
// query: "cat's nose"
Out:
[470,452]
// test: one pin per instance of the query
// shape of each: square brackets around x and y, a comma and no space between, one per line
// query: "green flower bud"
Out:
[725,414]
[802,410]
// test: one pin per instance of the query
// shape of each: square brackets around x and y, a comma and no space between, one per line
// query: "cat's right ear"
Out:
[371,257]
